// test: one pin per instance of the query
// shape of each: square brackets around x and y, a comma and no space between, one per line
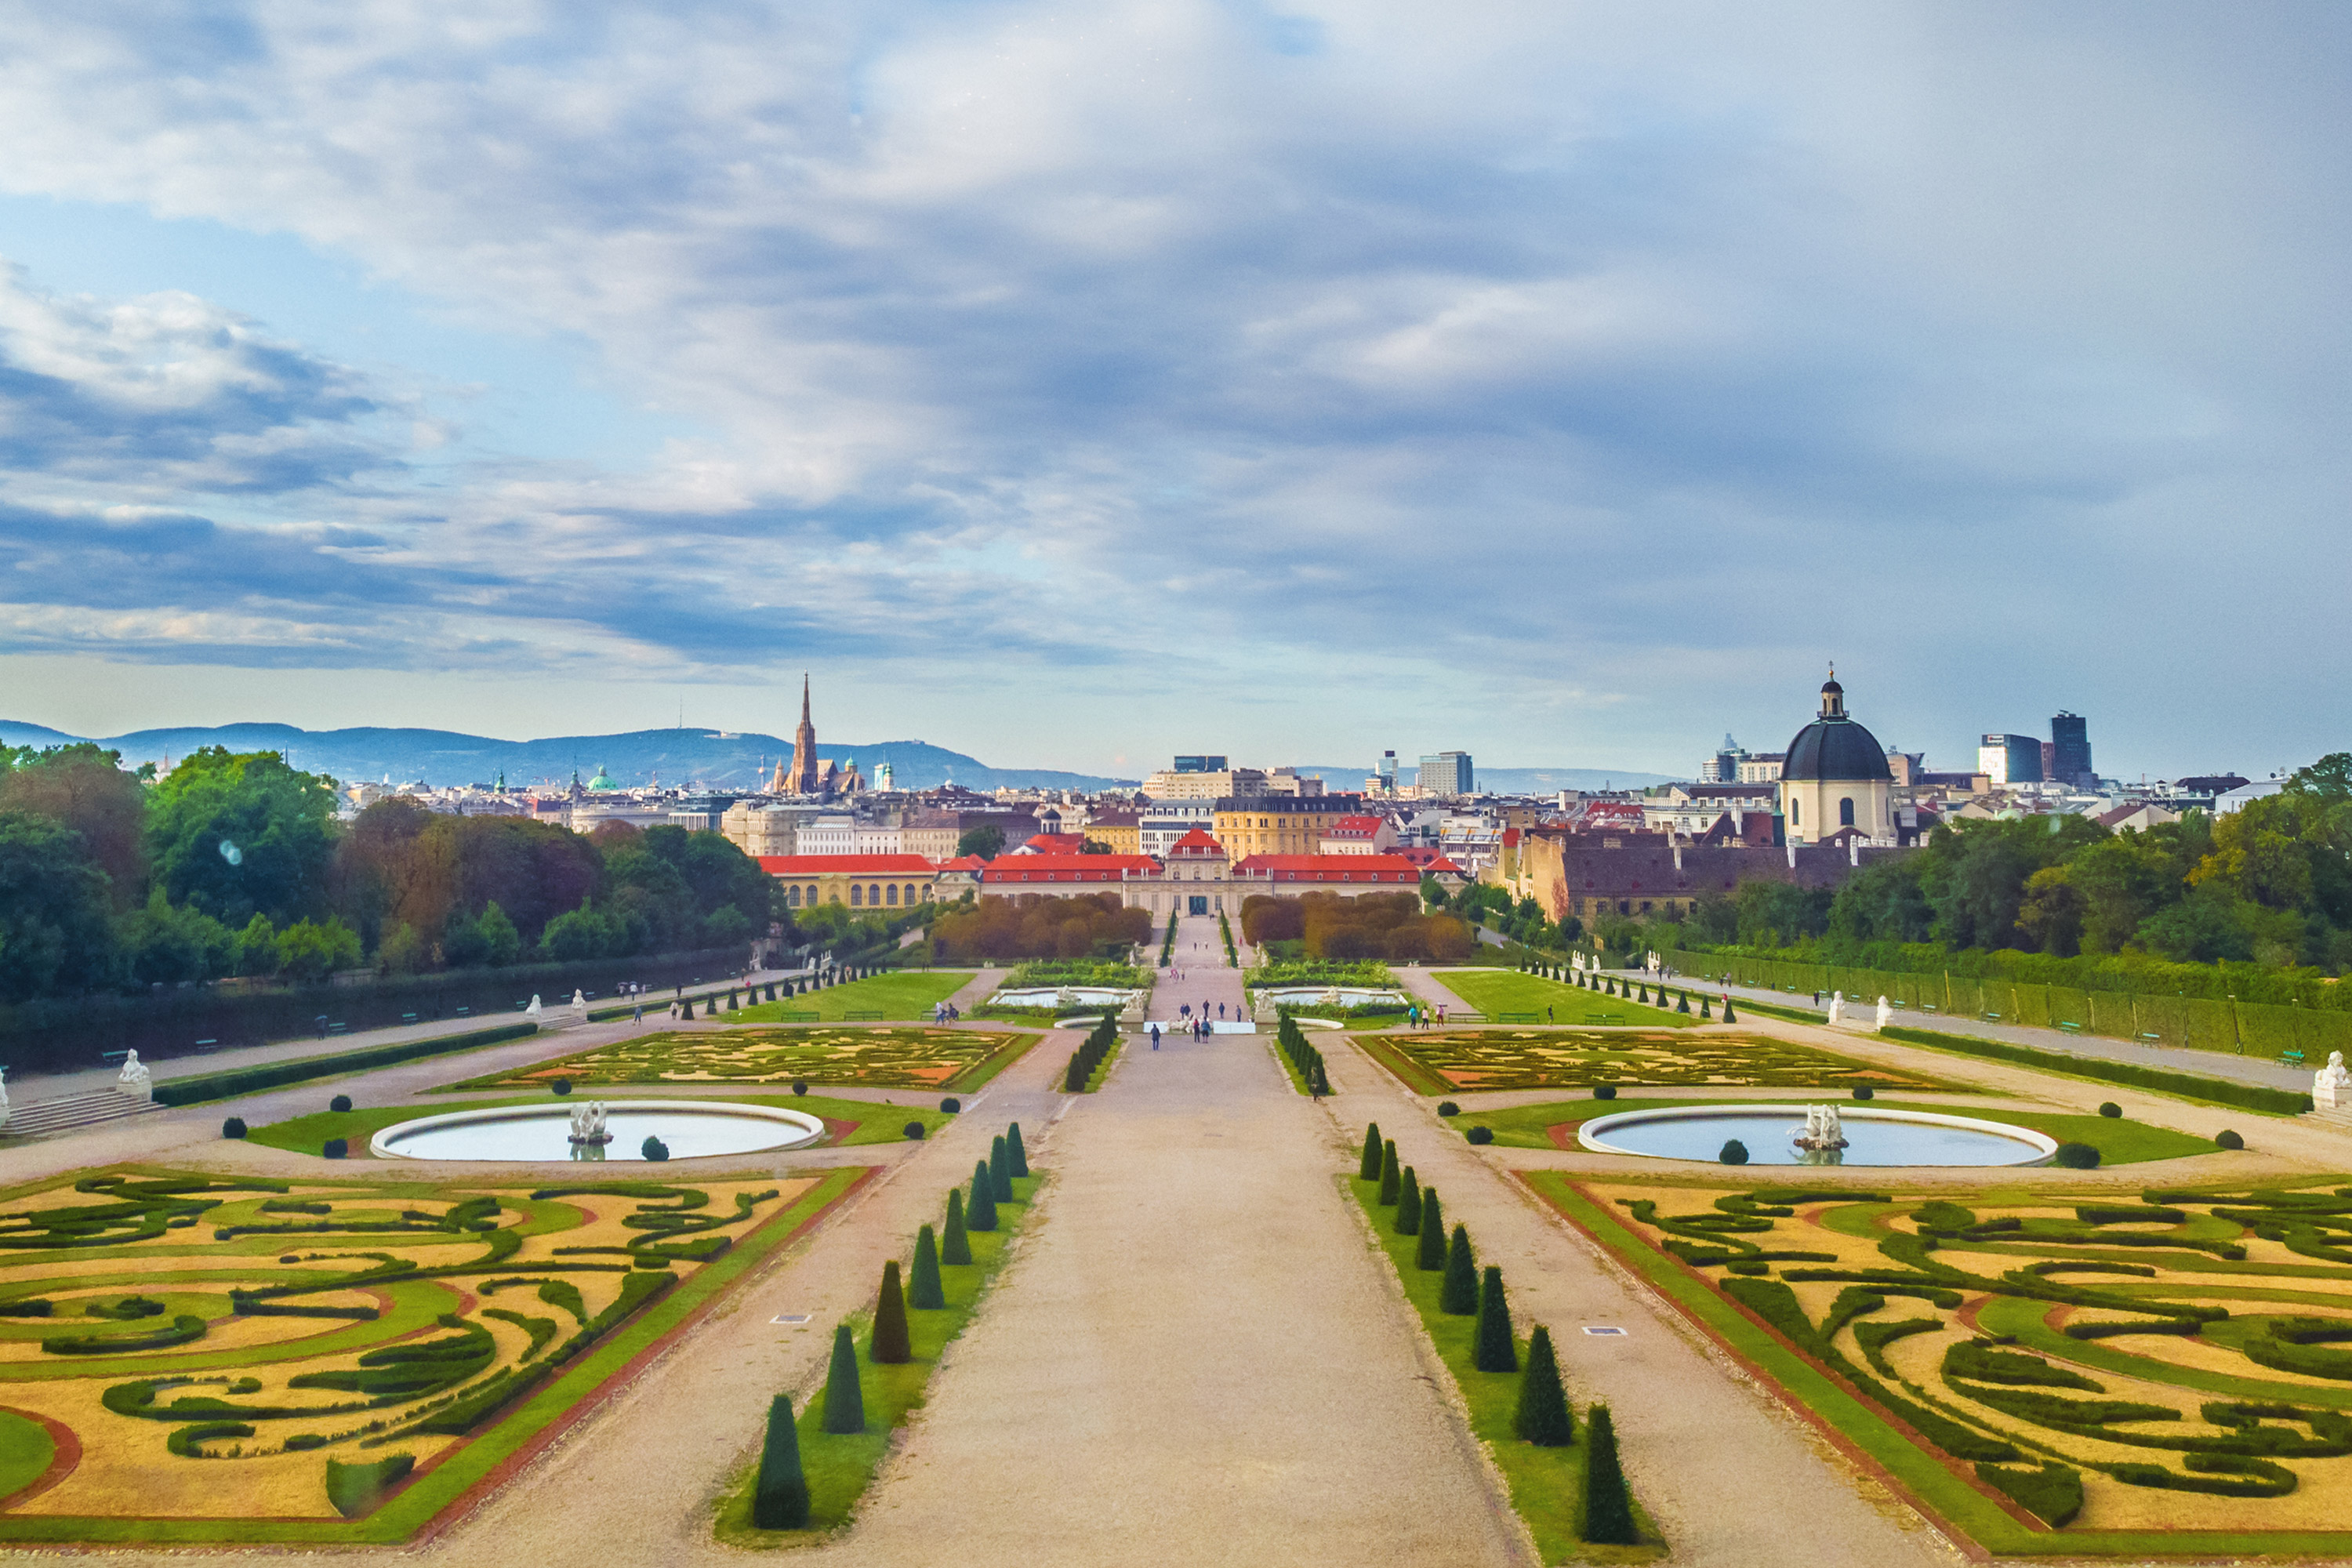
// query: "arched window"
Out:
[893,898]
[856,896]
[1796,817]
[1845,812]
[792,898]
[874,894]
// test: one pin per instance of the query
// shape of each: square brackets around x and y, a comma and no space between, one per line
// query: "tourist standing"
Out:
[1155,1036]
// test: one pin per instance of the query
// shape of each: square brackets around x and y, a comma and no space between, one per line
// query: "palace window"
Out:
[1845,812]
[792,898]
[894,895]
[856,896]
[874,894]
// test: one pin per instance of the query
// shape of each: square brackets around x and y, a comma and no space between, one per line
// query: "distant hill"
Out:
[712,758]
[1505,780]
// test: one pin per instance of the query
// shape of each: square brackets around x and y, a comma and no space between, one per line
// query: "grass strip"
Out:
[874,1121]
[975,1077]
[1495,991]
[471,1463]
[1102,1069]
[2118,1140]
[2179,1085]
[840,1467]
[1401,1066]
[1546,1484]
[302,1069]
[902,996]
[1773,1009]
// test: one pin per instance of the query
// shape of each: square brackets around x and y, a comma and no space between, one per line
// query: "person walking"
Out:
[1155,1036]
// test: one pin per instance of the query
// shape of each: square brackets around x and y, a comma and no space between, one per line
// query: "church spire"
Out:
[805,697]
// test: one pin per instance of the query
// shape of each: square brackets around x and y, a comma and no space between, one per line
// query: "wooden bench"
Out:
[2153,1040]
[2291,1057]
[864,1015]
[792,1016]
[408,1017]
[1515,1018]
[2070,1028]
[205,1048]
[337,1028]
[1992,1017]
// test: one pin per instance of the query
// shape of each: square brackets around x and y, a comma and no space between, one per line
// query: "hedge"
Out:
[2188,1085]
[302,1069]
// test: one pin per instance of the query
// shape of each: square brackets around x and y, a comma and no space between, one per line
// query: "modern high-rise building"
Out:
[1447,772]
[2069,740]
[2010,759]
[1387,770]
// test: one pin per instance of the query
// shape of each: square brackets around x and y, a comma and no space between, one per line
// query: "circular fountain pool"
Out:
[691,1128]
[1874,1136]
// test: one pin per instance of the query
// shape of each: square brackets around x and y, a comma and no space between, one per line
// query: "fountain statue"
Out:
[1837,1006]
[1067,998]
[137,1077]
[1331,998]
[588,1124]
[1821,1130]
[2331,1086]
[531,1012]
[1886,1012]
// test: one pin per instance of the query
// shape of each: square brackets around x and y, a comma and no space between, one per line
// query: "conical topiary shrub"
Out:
[1491,1349]
[999,1170]
[1703,1006]
[979,1212]
[1459,1292]
[1431,1253]
[1729,1015]
[845,1402]
[781,1500]
[1370,1168]
[955,1246]
[1542,1415]
[1608,1508]
[891,1345]
[1682,1002]
[1013,1146]
[1408,1215]
[924,1291]
[1391,1177]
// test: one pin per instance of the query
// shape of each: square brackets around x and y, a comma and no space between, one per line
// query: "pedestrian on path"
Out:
[1155,1036]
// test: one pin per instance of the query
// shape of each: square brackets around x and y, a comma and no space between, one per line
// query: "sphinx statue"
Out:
[136,1079]
[532,1011]
[1837,1006]
[1886,1012]
[2331,1086]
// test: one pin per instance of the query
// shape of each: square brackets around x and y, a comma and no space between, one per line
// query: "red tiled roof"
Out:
[846,865]
[1354,824]
[1054,844]
[1330,868]
[1066,868]
[1196,843]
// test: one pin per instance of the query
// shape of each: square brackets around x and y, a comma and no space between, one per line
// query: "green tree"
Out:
[924,1290]
[1491,1347]
[55,938]
[85,788]
[780,1498]
[987,841]
[166,946]
[1608,1505]
[891,1344]
[309,951]
[257,947]
[844,1401]
[955,1246]
[1458,1292]
[2051,915]
[1431,1253]
[233,833]
[1541,1416]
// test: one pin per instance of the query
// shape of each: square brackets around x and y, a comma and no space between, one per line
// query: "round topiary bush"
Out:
[336,1148]
[562,1086]
[654,1148]
[1604,1092]
[1480,1135]
[1864,1092]
[1734,1153]
[799,1086]
[233,1128]
[2109,1108]
[340,1104]
[2226,1139]
[2076,1157]
[914,1131]
[951,1105]
[1448,1108]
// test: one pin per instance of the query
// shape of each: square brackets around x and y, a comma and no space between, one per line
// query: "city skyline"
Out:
[1567,390]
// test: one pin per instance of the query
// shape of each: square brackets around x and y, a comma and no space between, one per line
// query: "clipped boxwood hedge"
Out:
[2192,1086]
[302,1069]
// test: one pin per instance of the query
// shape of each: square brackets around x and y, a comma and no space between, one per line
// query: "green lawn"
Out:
[840,1467]
[2120,1141]
[25,1451]
[1494,992]
[900,996]
[875,1122]
[1546,1484]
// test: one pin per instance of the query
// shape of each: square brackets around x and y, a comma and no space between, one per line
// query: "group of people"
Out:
[1196,1025]
[1420,1016]
[945,1013]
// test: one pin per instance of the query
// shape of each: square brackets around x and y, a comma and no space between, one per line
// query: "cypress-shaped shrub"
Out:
[1733,1153]
[1608,1507]
[1458,1292]
[1391,1177]
[955,1246]
[1013,1146]
[1682,1002]
[781,1500]
[1728,1018]
[924,1290]
[1491,1350]
[999,1170]
[1319,1082]
[1408,1215]
[891,1345]
[1703,1005]
[340,1104]
[1431,1253]
[845,1402]
[233,1128]
[1369,1168]
[1542,1416]
[979,1212]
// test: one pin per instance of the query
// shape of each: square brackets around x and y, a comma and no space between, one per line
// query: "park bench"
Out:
[1929,1007]
[2292,1056]
[1515,1018]
[207,1048]
[337,1028]
[2153,1040]
[465,1012]
[793,1015]
[1992,1017]
[2070,1028]
[408,1017]
[863,1015]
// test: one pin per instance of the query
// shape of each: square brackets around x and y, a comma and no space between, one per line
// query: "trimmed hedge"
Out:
[2054,1494]
[302,1069]
[2188,1085]
[355,1489]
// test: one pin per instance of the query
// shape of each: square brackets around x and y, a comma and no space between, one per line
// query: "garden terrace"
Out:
[900,994]
[903,1057]
[2051,1371]
[196,1353]
[1438,1060]
[1500,993]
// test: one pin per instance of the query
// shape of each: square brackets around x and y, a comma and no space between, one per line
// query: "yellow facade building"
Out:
[1280,825]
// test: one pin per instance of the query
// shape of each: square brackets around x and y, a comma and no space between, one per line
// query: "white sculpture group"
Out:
[1821,1128]
[137,1079]
[2331,1086]
[588,1124]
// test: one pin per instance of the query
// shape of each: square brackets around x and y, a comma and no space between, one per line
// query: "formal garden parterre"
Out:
[1502,995]
[216,1359]
[2049,1370]
[1434,1062]
[906,1056]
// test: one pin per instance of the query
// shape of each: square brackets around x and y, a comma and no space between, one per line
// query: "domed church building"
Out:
[1835,777]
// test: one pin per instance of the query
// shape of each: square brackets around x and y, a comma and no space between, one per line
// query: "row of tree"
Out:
[1389,926]
[1003,930]
[237,864]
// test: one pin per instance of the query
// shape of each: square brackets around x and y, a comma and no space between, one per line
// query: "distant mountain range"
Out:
[715,759]
[1504,781]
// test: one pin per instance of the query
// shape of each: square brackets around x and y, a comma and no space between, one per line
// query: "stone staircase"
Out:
[69,1112]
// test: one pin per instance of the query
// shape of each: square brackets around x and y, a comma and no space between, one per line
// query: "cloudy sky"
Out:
[1075,384]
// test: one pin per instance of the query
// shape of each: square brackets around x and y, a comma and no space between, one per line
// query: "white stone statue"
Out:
[2331,1086]
[4,1097]
[1886,1012]
[1332,997]
[532,1011]
[1837,1006]
[580,1003]
[588,1123]
[1823,1129]
[137,1077]
[1065,997]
